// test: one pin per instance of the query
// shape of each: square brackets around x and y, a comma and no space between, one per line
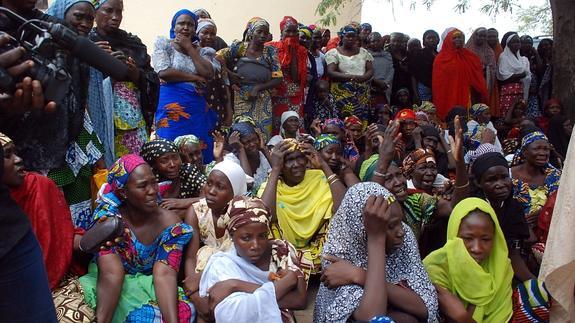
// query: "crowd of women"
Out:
[415,180]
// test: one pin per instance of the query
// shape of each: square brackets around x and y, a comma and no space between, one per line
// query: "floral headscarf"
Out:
[525,142]
[334,122]
[244,210]
[186,139]
[427,107]
[253,24]
[478,108]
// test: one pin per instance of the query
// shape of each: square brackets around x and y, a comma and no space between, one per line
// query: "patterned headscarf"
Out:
[205,22]
[349,29]
[288,20]
[334,122]
[427,107]
[417,157]
[59,8]
[352,120]
[367,26]
[405,114]
[245,128]
[293,144]
[472,155]
[525,142]
[253,24]
[202,12]
[108,203]
[244,210]
[4,140]
[305,30]
[154,149]
[185,140]
[478,108]
[325,140]
[176,16]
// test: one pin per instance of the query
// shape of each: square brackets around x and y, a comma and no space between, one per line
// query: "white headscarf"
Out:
[235,175]
[510,63]
[203,23]
[286,115]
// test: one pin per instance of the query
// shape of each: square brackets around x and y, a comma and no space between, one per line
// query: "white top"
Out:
[353,65]
[165,56]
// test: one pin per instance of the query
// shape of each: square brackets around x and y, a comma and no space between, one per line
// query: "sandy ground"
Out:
[306,316]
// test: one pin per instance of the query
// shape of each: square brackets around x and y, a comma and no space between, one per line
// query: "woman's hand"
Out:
[220,291]
[112,243]
[174,204]
[457,142]
[219,141]
[234,141]
[278,154]
[253,93]
[185,43]
[391,137]
[376,214]
[450,305]
[315,127]
[192,284]
[312,155]
[289,276]
[340,272]
[105,46]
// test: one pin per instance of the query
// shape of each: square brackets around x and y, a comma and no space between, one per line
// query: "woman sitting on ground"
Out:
[226,181]
[301,200]
[353,247]
[191,151]
[472,272]
[481,120]
[290,124]
[257,280]
[249,151]
[180,183]
[330,150]
[136,280]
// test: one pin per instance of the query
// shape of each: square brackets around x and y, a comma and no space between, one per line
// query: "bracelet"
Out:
[331,177]
[463,186]
[334,181]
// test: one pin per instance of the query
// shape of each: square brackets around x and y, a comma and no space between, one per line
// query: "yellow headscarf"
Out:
[486,285]
[303,208]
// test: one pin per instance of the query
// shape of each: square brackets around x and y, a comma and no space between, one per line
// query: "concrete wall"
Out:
[148,19]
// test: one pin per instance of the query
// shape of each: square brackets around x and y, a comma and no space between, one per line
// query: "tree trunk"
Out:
[563,12]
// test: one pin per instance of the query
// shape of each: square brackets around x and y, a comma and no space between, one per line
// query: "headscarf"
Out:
[485,148]
[235,175]
[176,16]
[527,140]
[352,120]
[405,114]
[487,56]
[202,12]
[430,131]
[287,20]
[366,25]
[59,8]
[245,127]
[455,72]
[486,285]
[205,22]
[245,210]
[99,3]
[485,161]
[305,30]
[552,102]
[186,139]
[154,149]
[348,29]
[427,107]
[417,157]
[108,203]
[478,108]
[421,115]
[334,122]
[253,24]
[325,140]
[510,64]
[293,144]
[4,140]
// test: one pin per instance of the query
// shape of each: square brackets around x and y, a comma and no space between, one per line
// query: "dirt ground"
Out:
[306,316]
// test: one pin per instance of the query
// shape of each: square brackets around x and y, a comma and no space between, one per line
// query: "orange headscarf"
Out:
[455,72]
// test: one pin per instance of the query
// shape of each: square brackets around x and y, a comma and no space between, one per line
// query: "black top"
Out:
[401,79]
[442,163]
[13,222]
[421,65]
[512,220]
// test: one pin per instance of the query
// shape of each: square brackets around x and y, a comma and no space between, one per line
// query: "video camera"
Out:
[49,45]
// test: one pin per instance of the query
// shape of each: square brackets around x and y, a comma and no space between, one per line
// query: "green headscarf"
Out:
[486,285]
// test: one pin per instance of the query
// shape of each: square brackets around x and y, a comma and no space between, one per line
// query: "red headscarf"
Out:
[405,114]
[455,72]
[284,52]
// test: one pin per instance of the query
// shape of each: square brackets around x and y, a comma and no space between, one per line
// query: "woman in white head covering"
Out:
[513,74]
[289,128]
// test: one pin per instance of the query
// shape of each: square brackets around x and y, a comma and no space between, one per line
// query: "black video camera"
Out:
[49,45]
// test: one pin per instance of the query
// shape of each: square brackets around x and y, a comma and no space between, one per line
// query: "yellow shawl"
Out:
[486,285]
[302,209]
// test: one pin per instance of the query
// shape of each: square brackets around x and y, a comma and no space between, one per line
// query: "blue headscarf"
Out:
[530,138]
[98,3]
[177,15]
[366,25]
[59,8]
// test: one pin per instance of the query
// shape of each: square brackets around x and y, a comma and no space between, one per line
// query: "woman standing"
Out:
[254,70]
[293,59]
[456,72]
[132,102]
[421,66]
[477,43]
[185,69]
[350,69]
[513,74]
[217,92]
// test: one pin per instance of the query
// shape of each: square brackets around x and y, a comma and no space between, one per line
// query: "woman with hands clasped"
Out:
[371,264]
[301,200]
[258,280]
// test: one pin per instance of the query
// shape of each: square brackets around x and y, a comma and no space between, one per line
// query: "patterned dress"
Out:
[138,302]
[211,243]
